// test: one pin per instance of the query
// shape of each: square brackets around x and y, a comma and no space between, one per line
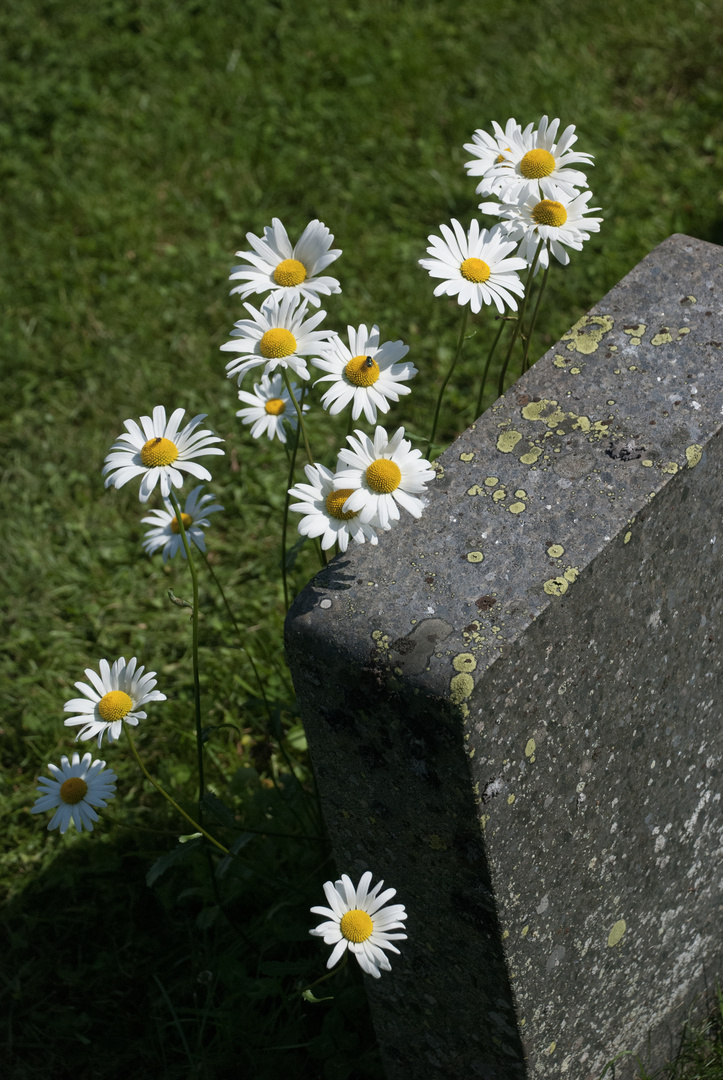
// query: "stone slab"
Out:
[514,708]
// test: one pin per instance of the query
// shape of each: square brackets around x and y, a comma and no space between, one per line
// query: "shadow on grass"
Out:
[104,977]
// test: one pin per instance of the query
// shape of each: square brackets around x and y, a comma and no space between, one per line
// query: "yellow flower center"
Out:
[549,212]
[536,164]
[475,270]
[290,272]
[383,476]
[362,371]
[176,528]
[158,452]
[275,406]
[356,925]
[277,343]
[335,501]
[72,791]
[114,706]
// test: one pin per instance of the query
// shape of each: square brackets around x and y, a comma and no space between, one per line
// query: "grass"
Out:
[140,142]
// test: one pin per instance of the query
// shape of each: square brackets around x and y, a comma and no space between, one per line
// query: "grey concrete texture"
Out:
[513,705]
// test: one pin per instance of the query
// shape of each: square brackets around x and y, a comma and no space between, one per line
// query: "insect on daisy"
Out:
[382,473]
[559,219]
[166,532]
[357,920]
[277,336]
[366,373]
[286,270]
[474,266]
[324,514]
[78,786]
[113,697]
[270,408]
[157,451]
[534,163]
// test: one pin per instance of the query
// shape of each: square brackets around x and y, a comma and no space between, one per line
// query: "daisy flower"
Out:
[324,514]
[288,270]
[157,450]
[382,473]
[474,266]
[166,533]
[559,219]
[534,163]
[366,373]
[114,696]
[357,920]
[489,150]
[275,336]
[79,785]
[271,406]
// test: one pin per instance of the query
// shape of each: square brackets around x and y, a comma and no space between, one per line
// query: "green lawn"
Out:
[139,143]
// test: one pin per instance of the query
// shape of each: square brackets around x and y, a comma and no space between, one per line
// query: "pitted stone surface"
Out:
[514,704]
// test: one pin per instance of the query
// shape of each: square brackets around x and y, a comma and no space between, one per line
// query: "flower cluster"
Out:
[535,181]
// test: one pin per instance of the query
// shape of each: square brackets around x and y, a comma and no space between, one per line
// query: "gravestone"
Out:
[513,705]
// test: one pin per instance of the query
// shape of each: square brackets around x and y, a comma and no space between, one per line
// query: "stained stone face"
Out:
[514,704]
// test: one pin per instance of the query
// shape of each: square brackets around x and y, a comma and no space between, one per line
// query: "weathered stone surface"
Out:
[514,704]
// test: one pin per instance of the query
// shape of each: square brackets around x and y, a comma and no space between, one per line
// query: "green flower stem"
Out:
[329,974]
[300,415]
[448,376]
[237,628]
[490,354]
[164,793]
[525,363]
[194,623]
[285,521]
[520,317]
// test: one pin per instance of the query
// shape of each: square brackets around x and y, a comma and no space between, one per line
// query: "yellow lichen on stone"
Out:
[560,361]
[626,538]
[646,463]
[510,800]
[507,441]
[490,481]
[663,337]
[693,455]
[466,457]
[460,687]
[575,370]
[464,662]
[669,467]
[571,574]
[474,556]
[531,457]
[517,507]
[616,934]
[530,748]
[555,551]
[499,495]
[635,333]
[587,333]
[476,490]
[556,586]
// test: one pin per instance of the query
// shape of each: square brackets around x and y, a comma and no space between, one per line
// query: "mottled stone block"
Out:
[514,704]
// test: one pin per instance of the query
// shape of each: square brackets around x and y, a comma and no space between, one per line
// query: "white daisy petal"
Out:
[366,374]
[165,536]
[381,473]
[79,785]
[279,335]
[270,407]
[156,453]
[533,163]
[117,697]
[283,270]
[360,923]
[474,265]
[326,514]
